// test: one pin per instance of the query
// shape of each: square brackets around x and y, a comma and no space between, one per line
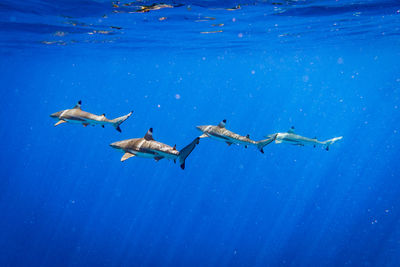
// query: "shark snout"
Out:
[201,128]
[56,115]
[116,145]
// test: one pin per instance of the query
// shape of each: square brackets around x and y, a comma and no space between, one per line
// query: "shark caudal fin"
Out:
[329,142]
[184,153]
[117,122]
[262,143]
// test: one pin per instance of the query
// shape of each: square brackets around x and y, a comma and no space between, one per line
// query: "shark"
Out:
[147,147]
[220,133]
[292,138]
[77,115]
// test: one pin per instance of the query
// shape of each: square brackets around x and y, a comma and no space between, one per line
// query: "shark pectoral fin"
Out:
[203,136]
[278,141]
[229,143]
[59,122]
[85,124]
[158,158]
[102,126]
[245,146]
[126,156]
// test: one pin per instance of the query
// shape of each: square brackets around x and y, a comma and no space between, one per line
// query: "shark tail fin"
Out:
[184,153]
[117,122]
[262,143]
[329,142]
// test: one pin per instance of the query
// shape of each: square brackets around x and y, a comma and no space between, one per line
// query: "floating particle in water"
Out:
[162,18]
[203,58]
[233,19]
[387,211]
[253,72]
[240,35]
[159,106]
[340,60]
[177,96]
[306,78]
[211,32]
[60,33]
[234,8]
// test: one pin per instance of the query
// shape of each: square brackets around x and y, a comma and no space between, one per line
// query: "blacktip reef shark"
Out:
[77,115]
[294,139]
[219,132]
[147,147]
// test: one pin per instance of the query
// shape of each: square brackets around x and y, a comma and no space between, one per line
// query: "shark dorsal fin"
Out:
[149,135]
[222,124]
[291,130]
[174,148]
[78,105]
[248,136]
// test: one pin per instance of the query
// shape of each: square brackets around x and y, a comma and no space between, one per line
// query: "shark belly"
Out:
[95,122]
[219,137]
[143,154]
[167,155]
[240,142]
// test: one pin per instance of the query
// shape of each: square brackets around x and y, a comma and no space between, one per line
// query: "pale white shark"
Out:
[219,132]
[147,147]
[77,115]
[294,139]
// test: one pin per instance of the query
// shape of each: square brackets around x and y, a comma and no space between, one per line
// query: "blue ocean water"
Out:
[329,68]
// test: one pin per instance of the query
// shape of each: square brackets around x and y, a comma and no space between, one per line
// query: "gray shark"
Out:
[219,132]
[294,139]
[77,115]
[147,147]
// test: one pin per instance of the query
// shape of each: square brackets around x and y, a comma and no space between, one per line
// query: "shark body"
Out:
[147,147]
[220,133]
[77,115]
[295,139]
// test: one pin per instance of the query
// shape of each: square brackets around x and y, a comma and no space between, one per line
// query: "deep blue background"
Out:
[67,200]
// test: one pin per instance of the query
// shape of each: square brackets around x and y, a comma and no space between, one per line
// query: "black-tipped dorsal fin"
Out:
[222,124]
[149,135]
[291,130]
[248,136]
[174,148]
[78,105]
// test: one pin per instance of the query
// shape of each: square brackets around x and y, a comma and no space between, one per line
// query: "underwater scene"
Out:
[200,133]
